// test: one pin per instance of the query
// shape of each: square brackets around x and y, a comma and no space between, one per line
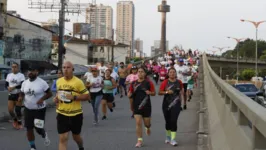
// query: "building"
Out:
[77,50]
[157,46]
[125,25]
[138,44]
[101,20]
[51,25]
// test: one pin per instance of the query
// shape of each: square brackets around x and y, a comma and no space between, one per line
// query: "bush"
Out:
[247,74]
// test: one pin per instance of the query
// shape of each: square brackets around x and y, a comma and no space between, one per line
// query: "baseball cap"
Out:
[94,69]
[180,60]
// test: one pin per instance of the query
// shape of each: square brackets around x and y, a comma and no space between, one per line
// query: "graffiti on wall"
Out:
[33,49]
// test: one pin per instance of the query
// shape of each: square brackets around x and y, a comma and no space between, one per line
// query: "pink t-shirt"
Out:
[156,68]
[163,72]
[132,77]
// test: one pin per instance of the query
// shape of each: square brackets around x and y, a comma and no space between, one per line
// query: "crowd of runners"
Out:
[176,73]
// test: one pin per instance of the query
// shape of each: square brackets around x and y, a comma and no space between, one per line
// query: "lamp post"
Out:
[237,53]
[256,24]
[220,48]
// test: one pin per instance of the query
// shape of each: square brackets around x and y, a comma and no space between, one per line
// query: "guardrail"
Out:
[243,121]
[246,60]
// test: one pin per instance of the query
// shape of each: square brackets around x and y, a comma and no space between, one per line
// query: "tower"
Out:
[163,8]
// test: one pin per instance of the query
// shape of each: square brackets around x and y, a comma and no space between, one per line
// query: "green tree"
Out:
[247,74]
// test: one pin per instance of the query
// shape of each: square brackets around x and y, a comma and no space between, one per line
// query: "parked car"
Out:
[248,89]
[260,96]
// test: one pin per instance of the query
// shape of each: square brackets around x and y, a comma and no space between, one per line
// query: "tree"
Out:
[247,74]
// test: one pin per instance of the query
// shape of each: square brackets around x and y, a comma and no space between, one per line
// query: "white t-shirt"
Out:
[96,82]
[15,80]
[114,75]
[88,75]
[102,70]
[179,71]
[34,91]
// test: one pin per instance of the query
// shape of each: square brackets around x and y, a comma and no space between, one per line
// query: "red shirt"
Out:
[152,89]
[165,82]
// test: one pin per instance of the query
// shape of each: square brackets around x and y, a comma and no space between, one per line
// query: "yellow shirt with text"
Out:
[75,87]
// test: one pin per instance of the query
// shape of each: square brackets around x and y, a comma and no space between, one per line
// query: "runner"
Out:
[35,91]
[71,91]
[108,97]
[191,81]
[162,72]
[13,85]
[94,84]
[87,74]
[141,90]
[102,69]
[122,72]
[155,69]
[133,76]
[182,73]
[115,76]
[173,92]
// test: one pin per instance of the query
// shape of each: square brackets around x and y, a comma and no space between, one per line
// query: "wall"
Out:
[120,54]
[77,53]
[25,40]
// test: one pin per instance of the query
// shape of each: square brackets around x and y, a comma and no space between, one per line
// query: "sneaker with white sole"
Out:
[46,140]
[174,143]
[139,144]
[168,140]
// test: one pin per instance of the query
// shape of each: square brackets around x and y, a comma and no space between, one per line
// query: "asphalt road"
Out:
[116,133]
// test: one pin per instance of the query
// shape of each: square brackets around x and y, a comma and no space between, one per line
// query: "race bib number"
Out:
[154,75]
[162,78]
[185,79]
[39,123]
[62,96]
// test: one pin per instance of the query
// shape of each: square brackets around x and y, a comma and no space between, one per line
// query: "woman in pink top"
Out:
[133,76]
[162,72]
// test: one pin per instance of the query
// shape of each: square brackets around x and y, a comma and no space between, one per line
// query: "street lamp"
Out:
[220,48]
[256,24]
[238,41]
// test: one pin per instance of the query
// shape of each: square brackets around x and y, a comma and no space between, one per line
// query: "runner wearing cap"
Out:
[35,91]
[182,73]
[95,84]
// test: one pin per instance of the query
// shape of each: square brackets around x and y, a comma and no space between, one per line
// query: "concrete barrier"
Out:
[4,115]
[230,114]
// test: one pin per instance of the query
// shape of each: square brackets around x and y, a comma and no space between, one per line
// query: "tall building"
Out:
[125,25]
[157,47]
[101,20]
[138,44]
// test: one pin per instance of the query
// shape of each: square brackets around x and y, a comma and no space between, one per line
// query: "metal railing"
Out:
[246,60]
[241,117]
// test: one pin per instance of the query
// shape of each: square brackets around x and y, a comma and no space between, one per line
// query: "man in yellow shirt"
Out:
[70,92]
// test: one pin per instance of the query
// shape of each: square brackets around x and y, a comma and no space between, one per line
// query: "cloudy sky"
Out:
[195,24]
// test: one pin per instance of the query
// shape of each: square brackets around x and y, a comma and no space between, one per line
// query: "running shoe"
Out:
[168,140]
[139,144]
[174,143]
[46,140]
[104,118]
[185,107]
[15,124]
[32,149]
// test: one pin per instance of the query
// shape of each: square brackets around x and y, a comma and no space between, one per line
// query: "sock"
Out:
[140,139]
[32,144]
[173,135]
[168,133]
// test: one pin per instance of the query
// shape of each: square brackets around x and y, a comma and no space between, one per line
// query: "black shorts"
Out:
[31,114]
[145,112]
[109,97]
[185,87]
[69,123]
[13,97]
[122,82]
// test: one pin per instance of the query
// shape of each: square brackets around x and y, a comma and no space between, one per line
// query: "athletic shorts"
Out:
[145,112]
[190,86]
[185,87]
[109,97]
[122,82]
[31,116]
[13,97]
[69,123]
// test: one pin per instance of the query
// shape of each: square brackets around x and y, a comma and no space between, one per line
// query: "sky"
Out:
[195,24]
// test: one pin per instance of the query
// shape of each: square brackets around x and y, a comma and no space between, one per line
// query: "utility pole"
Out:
[112,59]
[63,8]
